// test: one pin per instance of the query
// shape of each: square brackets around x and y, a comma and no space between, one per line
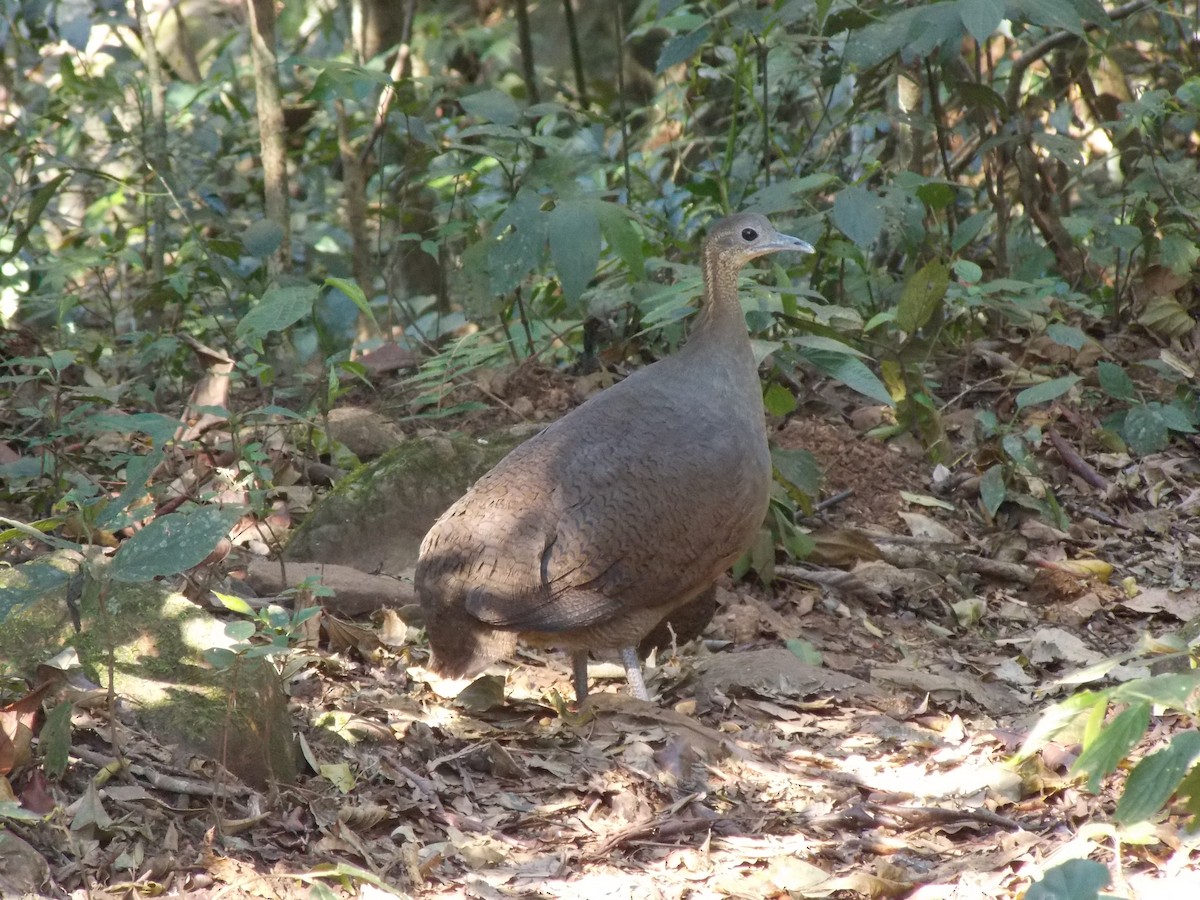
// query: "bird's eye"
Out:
[749,234]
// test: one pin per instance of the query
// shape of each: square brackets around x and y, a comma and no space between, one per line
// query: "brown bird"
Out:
[594,531]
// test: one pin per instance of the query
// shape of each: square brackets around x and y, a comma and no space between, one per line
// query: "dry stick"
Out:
[270,126]
[1077,463]
[396,73]
[936,815]
[576,54]
[156,141]
[619,22]
[525,40]
[1040,49]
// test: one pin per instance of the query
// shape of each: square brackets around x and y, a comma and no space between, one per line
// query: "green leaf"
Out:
[1114,381]
[37,206]
[799,469]
[1076,879]
[1176,418]
[1178,253]
[1171,690]
[778,400]
[262,238]
[623,236]
[804,651]
[1145,430]
[992,490]
[27,583]
[680,48]
[1067,335]
[277,309]
[137,473]
[922,296]
[859,215]
[172,543]
[354,294]
[1050,13]
[936,194]
[492,106]
[521,242]
[574,245]
[1046,391]
[159,428]
[55,739]
[981,17]
[968,272]
[1116,739]
[968,230]
[241,630]
[851,372]
[1154,779]
[824,342]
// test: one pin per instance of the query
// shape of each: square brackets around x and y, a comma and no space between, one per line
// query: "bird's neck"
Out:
[721,322]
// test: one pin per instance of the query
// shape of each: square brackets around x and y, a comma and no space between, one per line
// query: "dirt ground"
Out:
[848,730]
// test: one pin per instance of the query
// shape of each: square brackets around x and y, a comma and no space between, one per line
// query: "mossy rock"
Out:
[375,518]
[155,639]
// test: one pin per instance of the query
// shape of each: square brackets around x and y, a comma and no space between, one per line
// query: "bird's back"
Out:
[590,532]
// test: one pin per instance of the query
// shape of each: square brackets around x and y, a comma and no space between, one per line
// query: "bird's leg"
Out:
[633,673]
[579,674]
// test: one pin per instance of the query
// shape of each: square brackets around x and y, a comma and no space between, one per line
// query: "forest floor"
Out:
[849,730]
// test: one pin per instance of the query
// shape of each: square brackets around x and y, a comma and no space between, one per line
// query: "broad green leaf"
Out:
[1067,335]
[54,739]
[492,106]
[520,245]
[936,194]
[1178,253]
[137,473]
[968,272]
[277,309]
[1145,430]
[1046,391]
[262,238]
[29,582]
[1176,418]
[623,236]
[1076,879]
[1173,690]
[574,245]
[37,206]
[1114,381]
[681,47]
[354,294]
[858,214]
[981,17]
[1116,739]
[851,372]
[824,342]
[992,490]
[1154,779]
[1050,13]
[799,469]
[240,630]
[922,296]
[172,543]
[778,400]
[804,651]
[968,230]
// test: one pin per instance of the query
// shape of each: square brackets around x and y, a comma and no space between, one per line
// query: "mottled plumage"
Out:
[593,531]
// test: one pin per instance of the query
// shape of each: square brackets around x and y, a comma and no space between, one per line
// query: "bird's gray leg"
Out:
[633,673]
[579,674]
